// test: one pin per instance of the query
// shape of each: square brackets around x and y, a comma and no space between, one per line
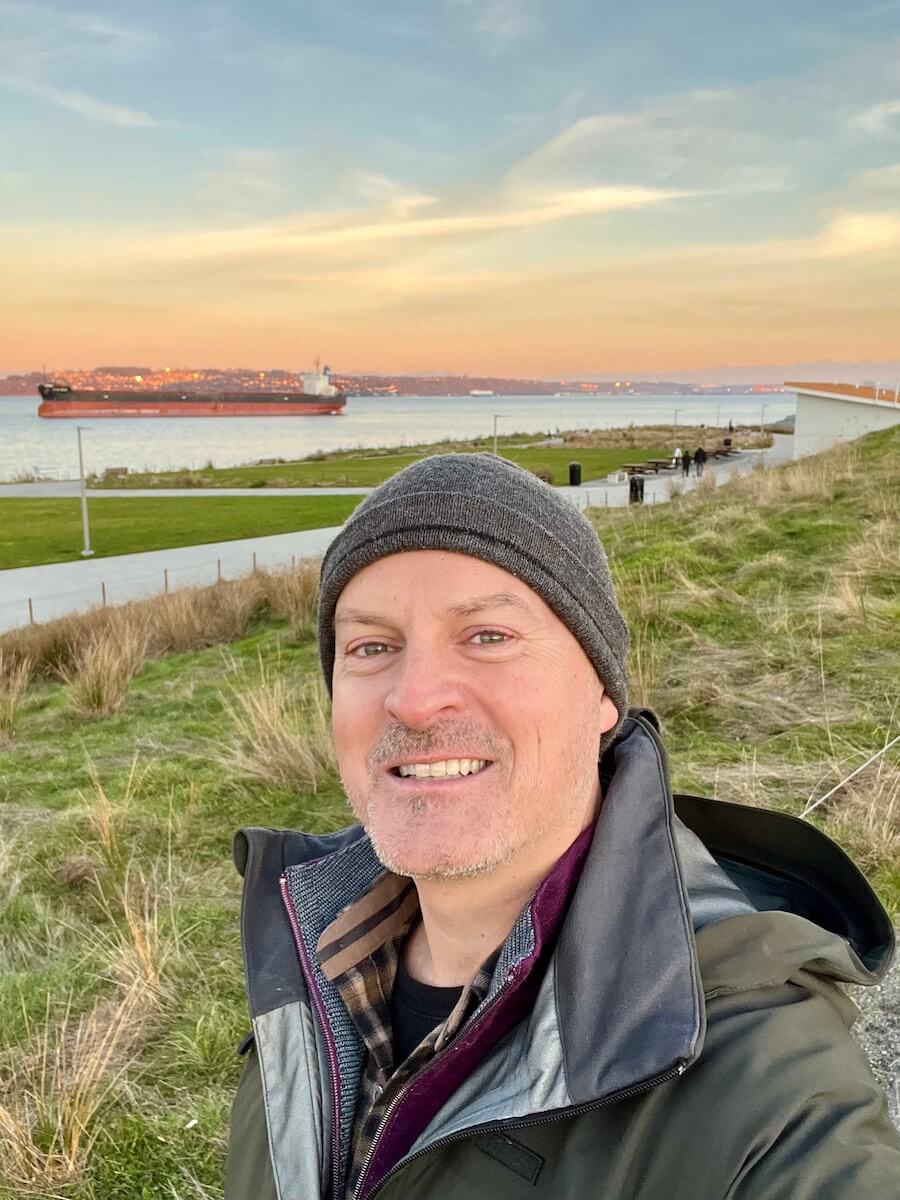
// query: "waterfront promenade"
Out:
[57,589]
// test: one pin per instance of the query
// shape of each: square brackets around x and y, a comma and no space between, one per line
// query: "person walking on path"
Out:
[676,457]
[700,457]
[686,463]
[530,970]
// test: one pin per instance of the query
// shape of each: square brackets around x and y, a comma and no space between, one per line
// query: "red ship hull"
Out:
[63,408]
[59,403]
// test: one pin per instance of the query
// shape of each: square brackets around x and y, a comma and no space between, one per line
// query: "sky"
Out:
[507,187]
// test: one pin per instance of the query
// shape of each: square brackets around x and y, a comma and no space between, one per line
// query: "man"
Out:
[529,972]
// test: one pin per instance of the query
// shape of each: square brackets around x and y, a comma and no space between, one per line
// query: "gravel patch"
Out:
[878,1032]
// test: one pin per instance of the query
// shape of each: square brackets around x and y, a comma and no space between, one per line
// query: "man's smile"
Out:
[444,768]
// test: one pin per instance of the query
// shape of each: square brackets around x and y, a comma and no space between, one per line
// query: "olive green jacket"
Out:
[685,1036]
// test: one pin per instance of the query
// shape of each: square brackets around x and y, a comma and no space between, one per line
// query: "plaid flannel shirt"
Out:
[359,952]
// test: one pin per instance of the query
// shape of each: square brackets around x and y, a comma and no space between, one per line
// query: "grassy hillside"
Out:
[42,531]
[765,619]
[766,623]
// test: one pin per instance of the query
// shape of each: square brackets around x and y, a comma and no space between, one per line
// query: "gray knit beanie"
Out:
[488,507]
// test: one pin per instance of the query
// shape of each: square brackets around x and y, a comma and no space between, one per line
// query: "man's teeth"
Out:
[441,770]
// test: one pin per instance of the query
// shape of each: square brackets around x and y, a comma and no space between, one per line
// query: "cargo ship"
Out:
[318,398]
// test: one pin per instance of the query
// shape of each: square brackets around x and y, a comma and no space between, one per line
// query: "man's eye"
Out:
[489,637]
[369,649]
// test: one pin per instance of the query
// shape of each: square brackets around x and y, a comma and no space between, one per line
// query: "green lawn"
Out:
[357,469]
[43,531]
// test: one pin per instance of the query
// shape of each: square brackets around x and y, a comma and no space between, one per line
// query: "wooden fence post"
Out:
[103,592]
[166,580]
[218,570]
[30,612]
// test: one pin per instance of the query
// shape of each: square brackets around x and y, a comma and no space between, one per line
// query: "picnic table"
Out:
[661,464]
[634,468]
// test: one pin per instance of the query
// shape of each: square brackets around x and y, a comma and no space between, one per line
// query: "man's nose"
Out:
[425,686]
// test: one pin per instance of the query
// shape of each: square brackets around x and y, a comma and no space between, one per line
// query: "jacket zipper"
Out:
[502,1126]
[391,1108]
[323,1018]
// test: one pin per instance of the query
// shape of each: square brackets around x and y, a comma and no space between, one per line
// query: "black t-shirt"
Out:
[416,1009]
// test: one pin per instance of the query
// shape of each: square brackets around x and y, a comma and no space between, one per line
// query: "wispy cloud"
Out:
[854,234]
[400,201]
[878,118]
[91,107]
[326,233]
[254,172]
[702,139]
[39,41]
[35,33]
[501,22]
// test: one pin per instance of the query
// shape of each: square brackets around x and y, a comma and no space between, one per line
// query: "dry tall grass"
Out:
[185,620]
[293,595]
[812,478]
[282,733]
[648,436]
[864,814]
[55,1085]
[15,675]
[57,1077]
[192,618]
[103,667]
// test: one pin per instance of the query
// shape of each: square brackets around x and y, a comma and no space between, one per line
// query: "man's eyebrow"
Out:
[356,616]
[466,608]
[477,604]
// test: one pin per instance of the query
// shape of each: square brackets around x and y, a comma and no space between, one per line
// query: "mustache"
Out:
[472,740]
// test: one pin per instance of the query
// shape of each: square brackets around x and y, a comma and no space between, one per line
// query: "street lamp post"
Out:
[675,427]
[85,527]
[497,417]
[762,419]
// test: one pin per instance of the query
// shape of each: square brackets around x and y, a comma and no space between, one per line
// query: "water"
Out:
[167,443]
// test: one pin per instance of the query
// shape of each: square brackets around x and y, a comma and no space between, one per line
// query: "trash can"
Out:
[574,474]
[636,489]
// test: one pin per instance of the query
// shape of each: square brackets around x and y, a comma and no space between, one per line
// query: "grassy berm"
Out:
[766,622]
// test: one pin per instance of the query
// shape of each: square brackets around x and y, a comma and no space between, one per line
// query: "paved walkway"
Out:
[600,493]
[67,488]
[59,588]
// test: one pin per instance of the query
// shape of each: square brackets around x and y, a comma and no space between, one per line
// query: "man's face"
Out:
[467,718]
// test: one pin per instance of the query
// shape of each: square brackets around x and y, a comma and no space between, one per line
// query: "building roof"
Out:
[855,391]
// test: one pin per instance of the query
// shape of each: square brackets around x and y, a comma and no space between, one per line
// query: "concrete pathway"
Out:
[600,493]
[59,588]
[67,488]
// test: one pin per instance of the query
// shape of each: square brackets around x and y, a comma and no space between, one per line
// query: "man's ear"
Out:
[609,714]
